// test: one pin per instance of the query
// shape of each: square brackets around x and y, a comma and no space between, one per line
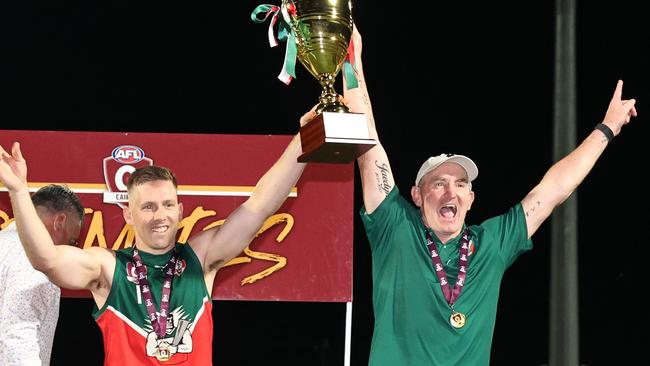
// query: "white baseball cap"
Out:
[435,161]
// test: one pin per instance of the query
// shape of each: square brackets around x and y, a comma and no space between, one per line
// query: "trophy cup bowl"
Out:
[323,29]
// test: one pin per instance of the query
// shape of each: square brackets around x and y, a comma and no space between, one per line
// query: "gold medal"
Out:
[457,319]
[162,352]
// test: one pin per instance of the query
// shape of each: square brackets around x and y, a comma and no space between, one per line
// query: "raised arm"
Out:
[217,246]
[564,176]
[64,265]
[374,167]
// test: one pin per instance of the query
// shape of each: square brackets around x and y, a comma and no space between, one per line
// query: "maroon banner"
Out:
[302,253]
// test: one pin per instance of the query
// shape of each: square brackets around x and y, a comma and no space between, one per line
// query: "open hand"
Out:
[13,168]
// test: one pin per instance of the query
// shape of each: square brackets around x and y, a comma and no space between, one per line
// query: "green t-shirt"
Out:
[411,314]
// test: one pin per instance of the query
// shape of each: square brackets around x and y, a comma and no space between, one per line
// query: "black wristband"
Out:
[606,131]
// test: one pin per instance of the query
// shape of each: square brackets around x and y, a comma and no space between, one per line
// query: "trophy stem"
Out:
[329,99]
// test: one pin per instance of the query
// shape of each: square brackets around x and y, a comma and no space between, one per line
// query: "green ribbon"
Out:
[264,8]
[351,81]
[285,33]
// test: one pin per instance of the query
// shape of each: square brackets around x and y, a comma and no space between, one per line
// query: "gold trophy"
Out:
[322,31]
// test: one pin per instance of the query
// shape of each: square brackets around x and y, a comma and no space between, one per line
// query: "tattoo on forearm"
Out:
[357,74]
[532,209]
[366,99]
[382,178]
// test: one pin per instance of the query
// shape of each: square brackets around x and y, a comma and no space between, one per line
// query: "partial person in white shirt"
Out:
[29,302]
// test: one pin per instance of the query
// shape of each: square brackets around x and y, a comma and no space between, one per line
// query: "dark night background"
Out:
[475,79]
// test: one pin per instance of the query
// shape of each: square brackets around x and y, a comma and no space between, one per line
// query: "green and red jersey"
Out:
[129,338]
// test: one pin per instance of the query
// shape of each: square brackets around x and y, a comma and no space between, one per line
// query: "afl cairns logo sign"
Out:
[118,168]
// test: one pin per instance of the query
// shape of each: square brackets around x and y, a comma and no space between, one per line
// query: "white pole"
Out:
[348,332]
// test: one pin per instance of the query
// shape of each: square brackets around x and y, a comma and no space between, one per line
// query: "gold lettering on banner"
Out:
[95,229]
[187,224]
[275,220]
[126,237]
[281,261]
[5,220]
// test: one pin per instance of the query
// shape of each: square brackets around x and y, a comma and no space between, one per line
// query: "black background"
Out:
[475,79]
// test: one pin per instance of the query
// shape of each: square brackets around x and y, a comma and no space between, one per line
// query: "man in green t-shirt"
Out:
[435,279]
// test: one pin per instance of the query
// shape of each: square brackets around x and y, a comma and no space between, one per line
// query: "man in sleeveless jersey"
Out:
[153,299]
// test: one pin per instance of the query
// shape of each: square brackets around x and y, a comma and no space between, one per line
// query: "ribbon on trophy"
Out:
[349,68]
[286,33]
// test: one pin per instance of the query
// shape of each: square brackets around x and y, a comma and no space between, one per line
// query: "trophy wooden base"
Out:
[335,138]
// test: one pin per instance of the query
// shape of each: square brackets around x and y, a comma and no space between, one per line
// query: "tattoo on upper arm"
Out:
[532,209]
[382,177]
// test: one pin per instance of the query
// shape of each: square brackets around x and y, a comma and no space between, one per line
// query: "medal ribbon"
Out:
[159,321]
[463,265]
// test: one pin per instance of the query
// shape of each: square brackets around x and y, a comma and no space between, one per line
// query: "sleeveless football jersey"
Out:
[129,338]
